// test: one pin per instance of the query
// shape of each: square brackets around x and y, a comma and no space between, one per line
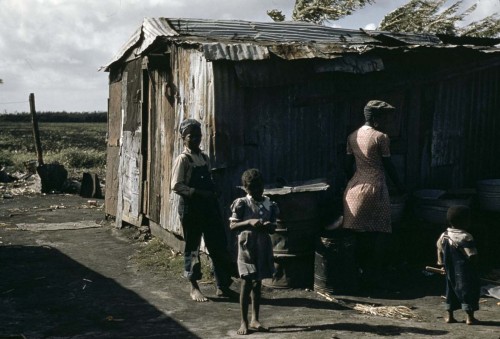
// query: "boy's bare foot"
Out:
[226,292]
[449,319]
[256,326]
[196,294]
[243,330]
[471,320]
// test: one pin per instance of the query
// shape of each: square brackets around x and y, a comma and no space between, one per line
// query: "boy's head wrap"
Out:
[375,107]
[187,126]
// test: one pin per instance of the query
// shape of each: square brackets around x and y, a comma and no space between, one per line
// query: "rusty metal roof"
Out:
[245,40]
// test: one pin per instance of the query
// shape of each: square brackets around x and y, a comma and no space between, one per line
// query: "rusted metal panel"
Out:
[232,51]
[193,78]
[244,40]
[262,31]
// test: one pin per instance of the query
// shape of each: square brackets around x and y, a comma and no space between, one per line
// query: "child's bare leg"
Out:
[256,296]
[246,288]
[470,318]
[196,294]
[449,318]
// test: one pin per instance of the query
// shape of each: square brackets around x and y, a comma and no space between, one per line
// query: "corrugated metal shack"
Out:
[283,97]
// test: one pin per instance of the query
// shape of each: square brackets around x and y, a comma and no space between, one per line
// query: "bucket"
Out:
[292,271]
[335,268]
[488,193]
[398,204]
[432,205]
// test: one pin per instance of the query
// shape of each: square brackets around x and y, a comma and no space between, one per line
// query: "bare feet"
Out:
[243,330]
[226,292]
[449,319]
[256,326]
[196,294]
[471,320]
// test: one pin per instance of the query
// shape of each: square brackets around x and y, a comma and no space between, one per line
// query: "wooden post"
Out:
[36,132]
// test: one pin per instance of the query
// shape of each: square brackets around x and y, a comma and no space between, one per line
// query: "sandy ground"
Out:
[66,272]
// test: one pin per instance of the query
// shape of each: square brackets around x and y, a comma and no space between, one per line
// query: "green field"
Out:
[80,146]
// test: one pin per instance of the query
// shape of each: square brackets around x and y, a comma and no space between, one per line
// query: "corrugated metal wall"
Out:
[444,132]
[465,140]
[192,77]
[295,130]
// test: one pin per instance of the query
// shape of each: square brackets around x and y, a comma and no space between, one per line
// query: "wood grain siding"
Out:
[130,167]
[113,147]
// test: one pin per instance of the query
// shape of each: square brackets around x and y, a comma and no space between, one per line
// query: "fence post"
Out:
[36,132]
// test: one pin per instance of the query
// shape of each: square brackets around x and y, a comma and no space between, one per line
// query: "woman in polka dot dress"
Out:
[367,208]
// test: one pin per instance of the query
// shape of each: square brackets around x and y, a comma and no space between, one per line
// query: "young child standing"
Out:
[253,217]
[457,252]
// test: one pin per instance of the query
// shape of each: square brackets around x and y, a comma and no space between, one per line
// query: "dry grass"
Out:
[397,312]
[80,147]
[156,256]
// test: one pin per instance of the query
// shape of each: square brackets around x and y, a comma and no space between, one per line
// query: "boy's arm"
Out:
[439,246]
[178,184]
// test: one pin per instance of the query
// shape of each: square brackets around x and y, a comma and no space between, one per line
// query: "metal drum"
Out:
[488,192]
[292,271]
[335,269]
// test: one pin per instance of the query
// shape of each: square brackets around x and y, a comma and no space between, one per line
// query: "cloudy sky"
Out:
[54,48]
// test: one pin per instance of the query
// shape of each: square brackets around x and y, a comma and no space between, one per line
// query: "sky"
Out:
[54,48]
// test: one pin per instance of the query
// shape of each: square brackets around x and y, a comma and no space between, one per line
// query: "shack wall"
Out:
[442,133]
[113,147]
[293,122]
[190,84]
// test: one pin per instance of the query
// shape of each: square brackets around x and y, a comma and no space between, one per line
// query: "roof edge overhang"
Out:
[142,38]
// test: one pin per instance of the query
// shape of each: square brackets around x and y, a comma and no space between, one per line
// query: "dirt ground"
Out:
[66,272]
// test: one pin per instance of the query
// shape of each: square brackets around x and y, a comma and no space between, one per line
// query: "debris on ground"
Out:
[143,233]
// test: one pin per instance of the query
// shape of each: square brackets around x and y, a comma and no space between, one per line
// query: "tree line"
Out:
[56,117]
[415,16]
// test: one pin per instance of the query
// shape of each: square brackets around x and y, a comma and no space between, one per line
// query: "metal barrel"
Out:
[292,271]
[488,193]
[335,268]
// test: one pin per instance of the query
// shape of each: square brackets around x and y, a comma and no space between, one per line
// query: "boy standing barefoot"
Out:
[458,254]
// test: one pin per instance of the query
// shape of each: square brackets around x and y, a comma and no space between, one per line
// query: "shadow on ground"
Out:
[44,293]
[381,330]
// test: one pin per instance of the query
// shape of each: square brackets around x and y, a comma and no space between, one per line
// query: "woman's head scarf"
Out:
[375,107]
